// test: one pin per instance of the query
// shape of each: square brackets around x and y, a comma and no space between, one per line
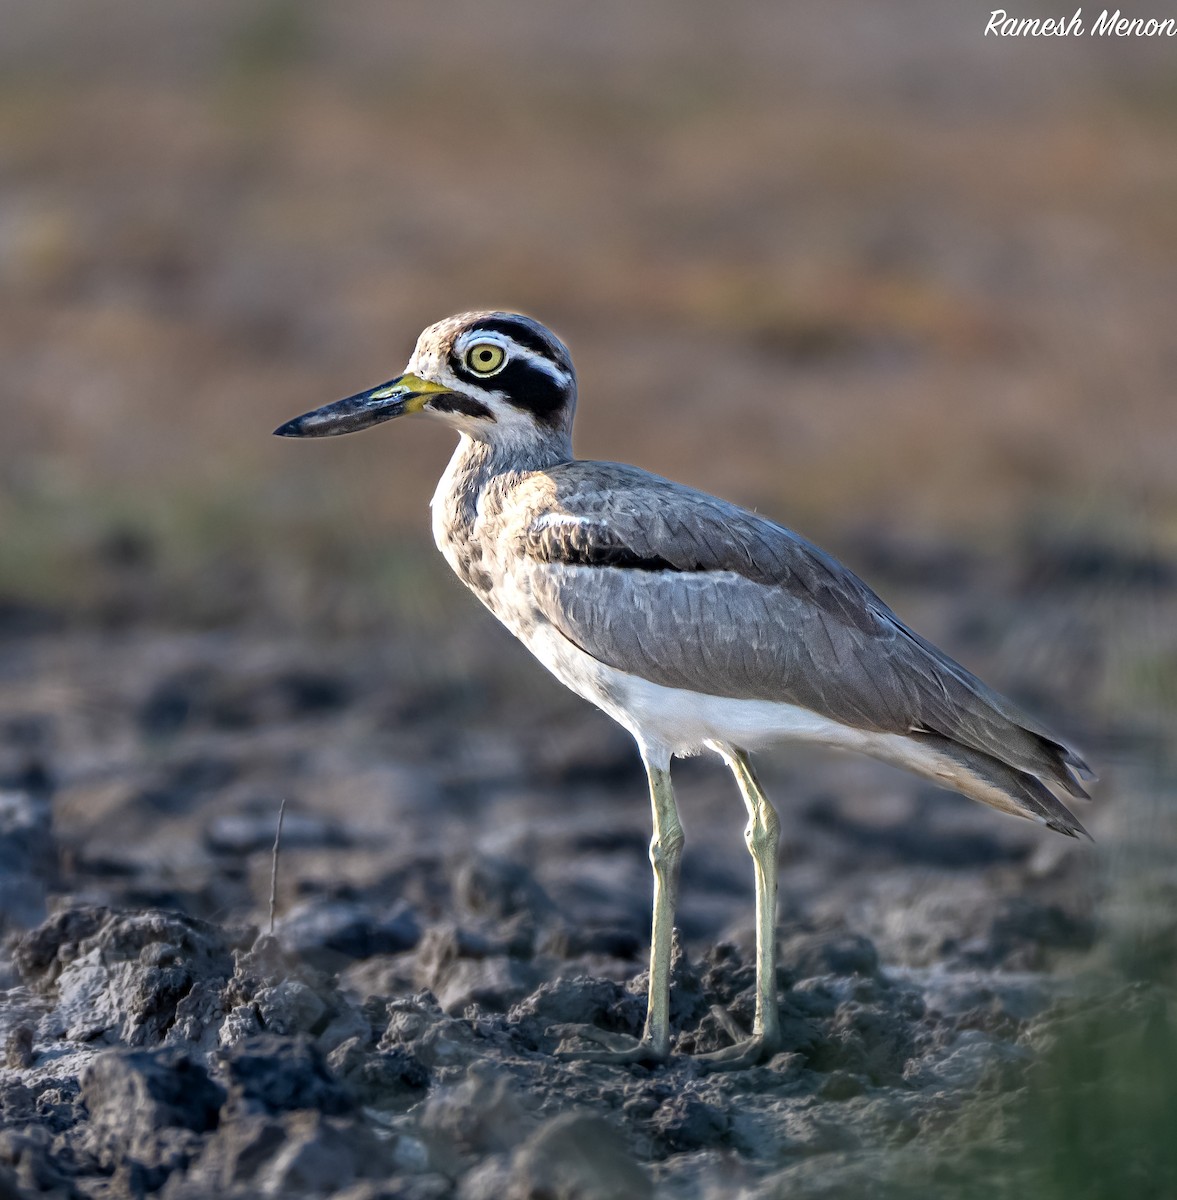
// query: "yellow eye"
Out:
[485,357]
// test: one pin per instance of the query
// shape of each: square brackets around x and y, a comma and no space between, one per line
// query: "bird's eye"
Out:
[485,357]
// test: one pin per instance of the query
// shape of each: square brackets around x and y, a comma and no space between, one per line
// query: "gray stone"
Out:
[576,1156]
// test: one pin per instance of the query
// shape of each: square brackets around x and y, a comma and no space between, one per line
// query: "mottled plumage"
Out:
[692,592]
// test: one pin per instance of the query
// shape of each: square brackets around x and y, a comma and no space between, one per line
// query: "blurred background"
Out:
[863,268]
[907,289]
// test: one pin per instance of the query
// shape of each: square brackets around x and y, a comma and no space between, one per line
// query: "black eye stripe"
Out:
[455,402]
[531,388]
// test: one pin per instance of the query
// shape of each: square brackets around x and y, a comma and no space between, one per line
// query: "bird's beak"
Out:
[408,394]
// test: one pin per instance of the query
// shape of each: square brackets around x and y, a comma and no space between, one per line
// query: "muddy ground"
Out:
[463,872]
[905,288]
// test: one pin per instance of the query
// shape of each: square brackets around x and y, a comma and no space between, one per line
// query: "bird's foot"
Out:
[744,1052]
[616,1047]
[750,1052]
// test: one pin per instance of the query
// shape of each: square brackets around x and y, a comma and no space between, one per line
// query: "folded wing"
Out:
[691,592]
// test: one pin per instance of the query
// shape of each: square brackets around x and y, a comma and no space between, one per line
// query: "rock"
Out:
[464,967]
[204,697]
[55,1105]
[42,954]
[297,1154]
[610,940]
[1023,929]
[491,983]
[444,943]
[177,787]
[28,1165]
[489,1179]
[378,1078]
[497,888]
[419,1187]
[147,1110]
[727,973]
[18,1048]
[866,1039]
[230,1159]
[320,1156]
[251,832]
[435,1039]
[9,1184]
[328,934]
[365,1091]
[799,1034]
[28,859]
[270,1074]
[579,1001]
[240,1024]
[873,1174]
[16,1103]
[127,974]
[685,1122]
[807,955]
[974,1056]
[577,1157]
[480,1116]
[272,990]
[21,619]
[813,998]
[791,1127]
[289,1007]
[994,1002]
[841,1085]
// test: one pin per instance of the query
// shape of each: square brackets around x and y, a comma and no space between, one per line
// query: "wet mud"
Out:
[463,877]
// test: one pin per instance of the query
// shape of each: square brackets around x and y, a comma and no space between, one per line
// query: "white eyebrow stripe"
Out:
[538,360]
[514,351]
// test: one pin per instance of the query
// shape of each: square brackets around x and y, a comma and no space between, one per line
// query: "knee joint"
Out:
[763,832]
[666,848]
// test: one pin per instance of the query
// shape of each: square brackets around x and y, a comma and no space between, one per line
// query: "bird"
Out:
[694,623]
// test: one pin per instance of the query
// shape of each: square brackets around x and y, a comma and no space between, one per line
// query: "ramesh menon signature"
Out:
[1107,24]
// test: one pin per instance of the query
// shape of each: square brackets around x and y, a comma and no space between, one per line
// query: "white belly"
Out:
[672,721]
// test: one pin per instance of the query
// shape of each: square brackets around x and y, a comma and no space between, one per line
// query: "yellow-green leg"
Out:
[762,836]
[665,856]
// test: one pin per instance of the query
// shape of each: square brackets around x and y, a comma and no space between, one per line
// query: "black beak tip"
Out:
[290,428]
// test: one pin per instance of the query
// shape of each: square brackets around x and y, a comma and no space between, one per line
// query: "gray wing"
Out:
[692,592]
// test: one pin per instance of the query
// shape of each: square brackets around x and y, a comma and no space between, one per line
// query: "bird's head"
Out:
[495,376]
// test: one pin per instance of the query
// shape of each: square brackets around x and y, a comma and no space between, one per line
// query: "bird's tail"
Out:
[982,777]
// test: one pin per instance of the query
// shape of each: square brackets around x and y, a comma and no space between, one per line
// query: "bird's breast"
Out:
[474,540]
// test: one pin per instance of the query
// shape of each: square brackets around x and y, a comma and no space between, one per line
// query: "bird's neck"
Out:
[477,464]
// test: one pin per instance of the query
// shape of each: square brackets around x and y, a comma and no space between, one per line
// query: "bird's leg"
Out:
[665,856]
[762,836]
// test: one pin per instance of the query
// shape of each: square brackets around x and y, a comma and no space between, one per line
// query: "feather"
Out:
[689,591]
